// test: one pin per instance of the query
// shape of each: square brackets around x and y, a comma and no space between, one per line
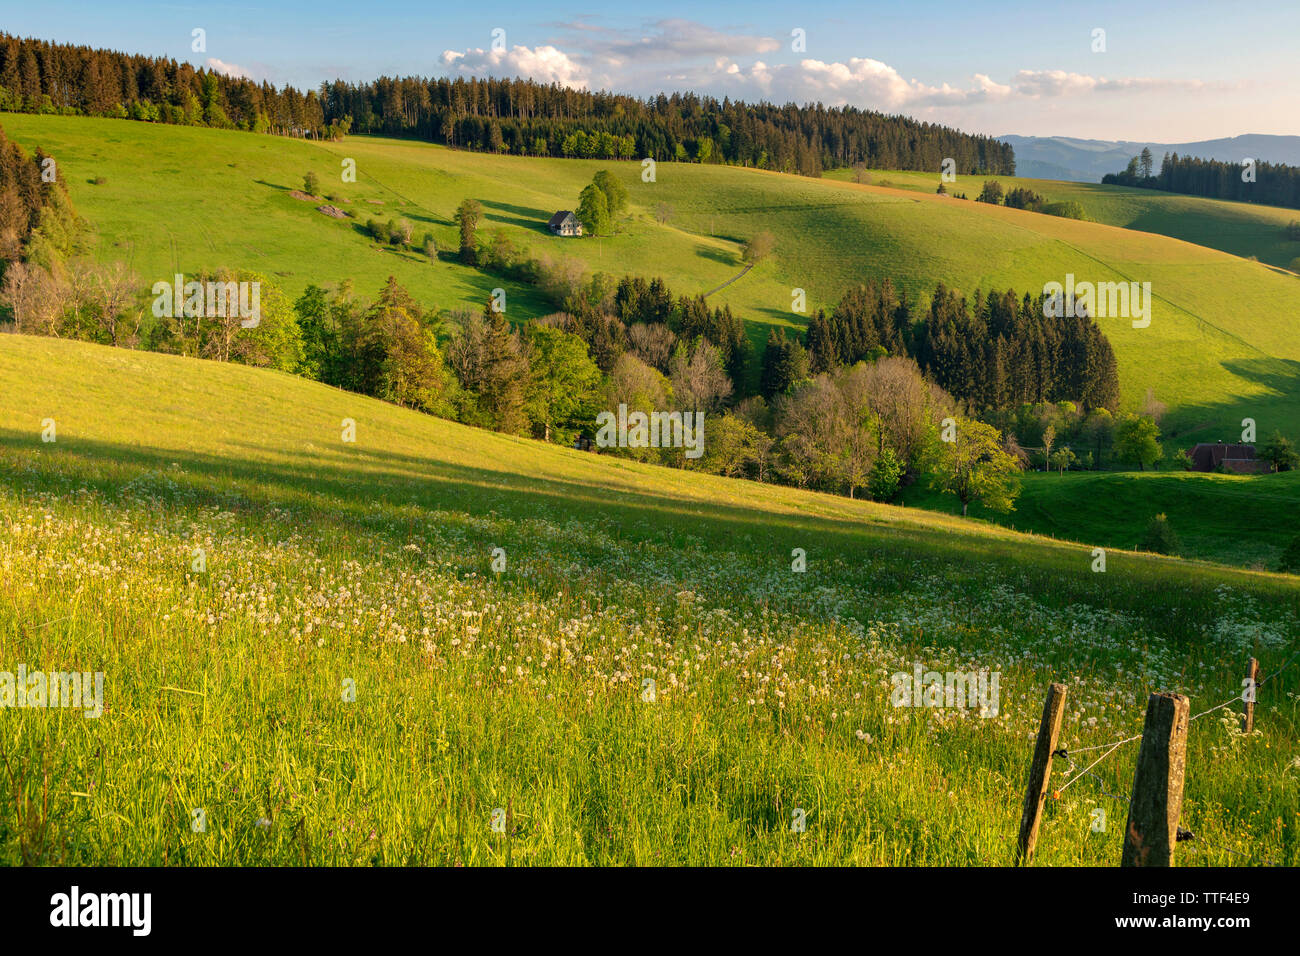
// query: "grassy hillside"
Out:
[1233,519]
[330,566]
[1222,343]
[1242,229]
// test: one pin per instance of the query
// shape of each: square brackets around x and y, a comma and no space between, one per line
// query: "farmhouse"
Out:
[565,223]
[1238,458]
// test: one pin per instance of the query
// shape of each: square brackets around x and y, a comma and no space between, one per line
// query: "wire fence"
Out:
[1183,835]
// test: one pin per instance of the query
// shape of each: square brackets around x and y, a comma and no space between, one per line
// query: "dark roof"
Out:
[1207,456]
[559,217]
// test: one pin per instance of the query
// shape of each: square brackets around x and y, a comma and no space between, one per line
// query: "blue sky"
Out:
[1170,72]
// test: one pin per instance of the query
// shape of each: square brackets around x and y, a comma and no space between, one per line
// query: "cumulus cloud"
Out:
[711,61]
[227,69]
[545,64]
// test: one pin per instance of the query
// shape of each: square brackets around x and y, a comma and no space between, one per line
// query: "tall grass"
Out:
[330,567]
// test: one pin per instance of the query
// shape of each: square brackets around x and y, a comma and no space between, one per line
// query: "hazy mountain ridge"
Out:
[1087,160]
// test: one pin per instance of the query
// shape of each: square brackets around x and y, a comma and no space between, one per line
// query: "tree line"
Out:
[528,118]
[1272,184]
[28,186]
[37,76]
[516,116]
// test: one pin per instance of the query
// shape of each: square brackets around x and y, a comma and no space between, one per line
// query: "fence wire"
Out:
[1184,835]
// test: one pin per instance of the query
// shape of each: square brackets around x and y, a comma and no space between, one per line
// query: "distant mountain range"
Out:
[1087,160]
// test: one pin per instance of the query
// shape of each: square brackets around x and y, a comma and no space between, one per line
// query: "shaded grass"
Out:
[523,690]
[1232,519]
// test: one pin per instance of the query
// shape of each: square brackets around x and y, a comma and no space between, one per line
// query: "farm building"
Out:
[565,223]
[1238,458]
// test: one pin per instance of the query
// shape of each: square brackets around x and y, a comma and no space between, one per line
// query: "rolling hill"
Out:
[1242,229]
[363,652]
[1222,343]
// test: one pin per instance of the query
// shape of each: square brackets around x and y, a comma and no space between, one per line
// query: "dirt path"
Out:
[739,275]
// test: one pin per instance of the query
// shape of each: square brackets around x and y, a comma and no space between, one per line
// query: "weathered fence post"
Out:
[1152,828]
[1248,694]
[1039,771]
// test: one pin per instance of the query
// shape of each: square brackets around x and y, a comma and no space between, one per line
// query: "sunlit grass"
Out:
[1220,347]
[523,690]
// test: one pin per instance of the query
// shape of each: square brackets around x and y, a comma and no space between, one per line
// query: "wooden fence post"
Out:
[1248,711]
[1152,828]
[1040,771]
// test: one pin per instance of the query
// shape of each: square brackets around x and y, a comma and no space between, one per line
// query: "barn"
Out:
[1238,458]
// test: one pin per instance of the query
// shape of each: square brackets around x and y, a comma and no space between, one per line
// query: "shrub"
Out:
[1160,537]
[310,183]
[1066,210]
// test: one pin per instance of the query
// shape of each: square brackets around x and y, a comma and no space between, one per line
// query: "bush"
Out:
[310,183]
[1160,537]
[1290,563]
[1066,210]
[1025,199]
[991,193]
[886,473]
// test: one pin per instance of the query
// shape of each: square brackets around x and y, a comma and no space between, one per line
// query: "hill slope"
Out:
[1234,519]
[1242,229]
[308,640]
[1222,342]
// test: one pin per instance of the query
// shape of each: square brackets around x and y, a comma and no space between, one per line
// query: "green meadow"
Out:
[315,643]
[1233,519]
[1221,345]
[1240,228]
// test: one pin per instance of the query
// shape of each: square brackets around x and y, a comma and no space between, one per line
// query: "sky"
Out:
[1154,71]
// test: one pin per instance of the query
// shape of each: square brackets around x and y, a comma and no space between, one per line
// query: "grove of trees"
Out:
[1272,184]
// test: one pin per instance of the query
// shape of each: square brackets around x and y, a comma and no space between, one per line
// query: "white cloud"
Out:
[545,64]
[709,61]
[227,69]
[1059,83]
